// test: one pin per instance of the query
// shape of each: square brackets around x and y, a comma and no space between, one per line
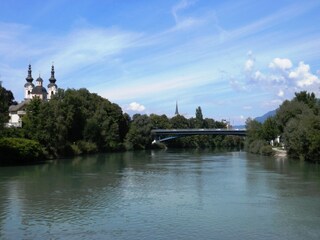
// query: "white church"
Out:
[31,91]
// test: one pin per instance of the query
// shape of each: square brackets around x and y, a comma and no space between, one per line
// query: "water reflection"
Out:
[169,194]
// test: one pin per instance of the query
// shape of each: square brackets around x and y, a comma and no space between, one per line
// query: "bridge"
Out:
[168,134]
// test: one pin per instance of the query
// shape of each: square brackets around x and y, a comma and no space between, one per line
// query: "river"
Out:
[161,195]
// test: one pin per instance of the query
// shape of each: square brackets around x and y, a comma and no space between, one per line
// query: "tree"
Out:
[255,142]
[254,130]
[302,137]
[307,98]
[6,100]
[179,121]
[139,135]
[289,110]
[160,121]
[76,121]
[199,118]
[269,129]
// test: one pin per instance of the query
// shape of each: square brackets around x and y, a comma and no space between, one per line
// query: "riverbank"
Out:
[279,152]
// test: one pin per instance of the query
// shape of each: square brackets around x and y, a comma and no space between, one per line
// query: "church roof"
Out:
[39,90]
[15,108]
[29,84]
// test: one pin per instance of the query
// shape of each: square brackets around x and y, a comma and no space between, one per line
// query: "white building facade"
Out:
[31,91]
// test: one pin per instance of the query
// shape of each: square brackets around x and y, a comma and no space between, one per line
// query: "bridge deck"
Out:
[188,132]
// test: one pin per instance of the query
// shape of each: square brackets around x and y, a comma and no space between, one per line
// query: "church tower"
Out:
[29,85]
[52,86]
[177,110]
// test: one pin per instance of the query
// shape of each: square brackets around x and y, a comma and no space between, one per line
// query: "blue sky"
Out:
[235,59]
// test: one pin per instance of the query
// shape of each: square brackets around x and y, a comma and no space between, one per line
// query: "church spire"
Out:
[28,87]
[29,77]
[52,78]
[52,86]
[177,111]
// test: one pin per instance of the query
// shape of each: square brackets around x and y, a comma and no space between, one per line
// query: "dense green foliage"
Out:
[6,99]
[19,150]
[139,136]
[76,122]
[259,136]
[297,122]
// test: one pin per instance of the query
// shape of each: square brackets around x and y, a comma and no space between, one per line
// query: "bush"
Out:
[20,151]
[266,150]
[260,147]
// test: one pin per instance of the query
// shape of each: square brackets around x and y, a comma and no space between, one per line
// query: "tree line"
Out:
[77,122]
[297,122]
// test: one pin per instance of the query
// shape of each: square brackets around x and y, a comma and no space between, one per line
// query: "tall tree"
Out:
[139,135]
[199,118]
[6,99]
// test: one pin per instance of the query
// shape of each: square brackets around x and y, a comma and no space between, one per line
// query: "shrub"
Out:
[20,151]
[260,147]
[266,150]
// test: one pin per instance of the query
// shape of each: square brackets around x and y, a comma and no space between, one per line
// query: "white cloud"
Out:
[258,76]
[280,93]
[136,107]
[248,66]
[281,63]
[249,63]
[280,79]
[302,76]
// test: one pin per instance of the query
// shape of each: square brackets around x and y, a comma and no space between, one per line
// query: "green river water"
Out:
[169,194]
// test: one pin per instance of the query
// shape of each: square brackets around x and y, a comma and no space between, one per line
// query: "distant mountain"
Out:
[265,116]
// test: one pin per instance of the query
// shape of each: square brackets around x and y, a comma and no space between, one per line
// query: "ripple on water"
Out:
[170,195]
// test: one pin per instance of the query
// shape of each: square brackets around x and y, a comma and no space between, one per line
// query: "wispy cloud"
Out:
[88,46]
[197,54]
[156,86]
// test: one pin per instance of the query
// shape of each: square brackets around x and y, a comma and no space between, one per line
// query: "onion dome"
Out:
[29,78]
[39,89]
[52,79]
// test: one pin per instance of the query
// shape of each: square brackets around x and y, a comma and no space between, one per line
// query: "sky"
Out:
[234,59]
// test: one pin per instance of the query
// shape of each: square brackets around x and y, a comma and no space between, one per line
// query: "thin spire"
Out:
[29,77]
[52,79]
[177,111]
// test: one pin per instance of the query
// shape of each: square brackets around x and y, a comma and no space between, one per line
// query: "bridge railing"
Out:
[174,133]
[199,131]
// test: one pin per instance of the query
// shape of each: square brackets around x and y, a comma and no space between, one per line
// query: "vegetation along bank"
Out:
[77,122]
